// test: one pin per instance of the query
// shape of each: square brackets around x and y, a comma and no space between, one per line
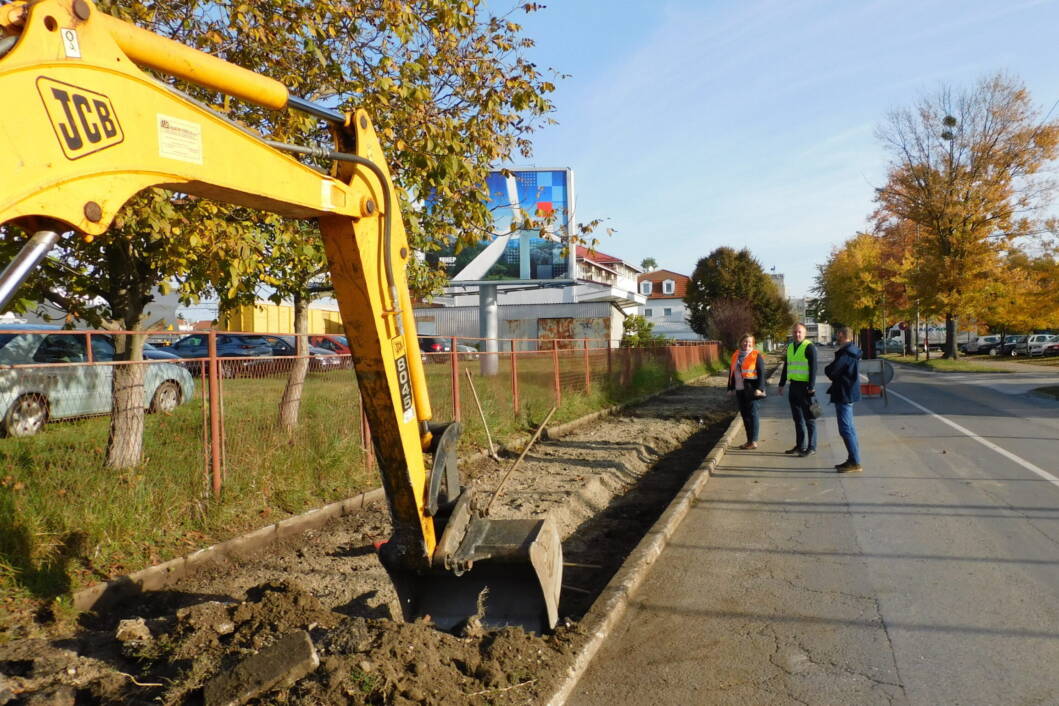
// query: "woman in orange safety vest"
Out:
[746,380]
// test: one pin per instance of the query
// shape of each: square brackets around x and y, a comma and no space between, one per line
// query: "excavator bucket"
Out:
[499,572]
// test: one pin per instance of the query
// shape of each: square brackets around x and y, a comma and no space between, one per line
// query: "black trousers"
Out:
[748,404]
[804,425]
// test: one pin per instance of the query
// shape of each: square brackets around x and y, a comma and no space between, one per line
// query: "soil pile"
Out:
[603,485]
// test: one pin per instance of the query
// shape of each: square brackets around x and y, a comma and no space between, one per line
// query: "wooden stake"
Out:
[478,404]
[521,456]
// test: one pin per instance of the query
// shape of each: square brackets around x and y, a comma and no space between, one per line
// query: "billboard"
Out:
[512,253]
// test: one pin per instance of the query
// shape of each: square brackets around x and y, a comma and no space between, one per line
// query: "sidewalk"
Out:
[929,578]
[756,599]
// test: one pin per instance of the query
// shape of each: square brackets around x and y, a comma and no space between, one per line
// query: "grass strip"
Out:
[945,365]
[66,521]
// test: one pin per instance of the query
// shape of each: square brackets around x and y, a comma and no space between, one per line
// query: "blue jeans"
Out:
[804,425]
[844,413]
[748,409]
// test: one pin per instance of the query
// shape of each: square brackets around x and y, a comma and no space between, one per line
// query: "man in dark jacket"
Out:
[844,374]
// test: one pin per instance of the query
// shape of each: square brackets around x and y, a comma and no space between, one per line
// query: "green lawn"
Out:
[67,522]
[938,364]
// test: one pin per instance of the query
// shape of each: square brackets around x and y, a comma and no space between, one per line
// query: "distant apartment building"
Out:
[664,308]
[777,279]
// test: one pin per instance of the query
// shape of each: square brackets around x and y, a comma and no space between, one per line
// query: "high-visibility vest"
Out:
[749,368]
[797,363]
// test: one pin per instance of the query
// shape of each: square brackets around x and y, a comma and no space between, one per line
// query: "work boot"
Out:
[793,450]
[849,467]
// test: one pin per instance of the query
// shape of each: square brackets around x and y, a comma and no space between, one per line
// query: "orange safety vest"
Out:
[749,370]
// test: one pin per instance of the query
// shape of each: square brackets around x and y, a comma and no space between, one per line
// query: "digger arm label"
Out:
[404,378]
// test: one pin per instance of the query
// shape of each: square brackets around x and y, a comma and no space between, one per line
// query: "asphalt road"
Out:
[931,578]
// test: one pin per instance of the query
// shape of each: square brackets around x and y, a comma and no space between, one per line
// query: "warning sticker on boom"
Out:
[179,139]
[404,378]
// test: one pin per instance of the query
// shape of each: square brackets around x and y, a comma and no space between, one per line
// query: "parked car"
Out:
[332,342]
[982,344]
[339,345]
[467,352]
[1034,345]
[1051,348]
[229,345]
[322,359]
[32,396]
[893,345]
[1008,346]
[433,345]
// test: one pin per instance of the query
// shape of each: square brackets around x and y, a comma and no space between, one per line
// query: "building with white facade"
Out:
[664,308]
[594,305]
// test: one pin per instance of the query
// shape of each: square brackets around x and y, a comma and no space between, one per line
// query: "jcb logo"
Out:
[84,121]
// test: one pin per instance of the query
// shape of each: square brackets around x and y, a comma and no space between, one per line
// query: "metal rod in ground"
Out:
[478,404]
[521,456]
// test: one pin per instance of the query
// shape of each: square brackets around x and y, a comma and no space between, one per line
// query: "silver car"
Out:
[1036,344]
[34,389]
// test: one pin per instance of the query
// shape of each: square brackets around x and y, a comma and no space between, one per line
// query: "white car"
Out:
[981,344]
[34,390]
[1038,342]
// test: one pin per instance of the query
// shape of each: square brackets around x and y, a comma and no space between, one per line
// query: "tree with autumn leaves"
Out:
[451,96]
[959,227]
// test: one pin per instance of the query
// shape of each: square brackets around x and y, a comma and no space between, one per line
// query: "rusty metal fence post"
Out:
[365,438]
[555,373]
[215,414]
[610,364]
[588,370]
[516,403]
[455,370]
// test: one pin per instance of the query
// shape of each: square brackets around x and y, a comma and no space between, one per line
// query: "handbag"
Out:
[815,410]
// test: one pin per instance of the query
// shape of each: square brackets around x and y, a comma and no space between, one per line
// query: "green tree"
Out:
[648,264]
[966,168]
[638,331]
[450,94]
[736,275]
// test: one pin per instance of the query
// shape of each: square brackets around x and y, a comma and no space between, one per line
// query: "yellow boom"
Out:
[84,129]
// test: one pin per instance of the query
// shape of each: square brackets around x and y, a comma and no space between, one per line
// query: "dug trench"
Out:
[310,619]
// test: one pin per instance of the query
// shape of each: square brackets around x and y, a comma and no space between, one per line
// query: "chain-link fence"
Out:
[244,412]
[108,465]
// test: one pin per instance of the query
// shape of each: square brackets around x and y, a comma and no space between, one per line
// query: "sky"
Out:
[751,123]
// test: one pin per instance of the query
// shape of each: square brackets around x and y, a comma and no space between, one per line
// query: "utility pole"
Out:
[917,298]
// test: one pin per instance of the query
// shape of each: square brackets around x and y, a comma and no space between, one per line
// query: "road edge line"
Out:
[984,442]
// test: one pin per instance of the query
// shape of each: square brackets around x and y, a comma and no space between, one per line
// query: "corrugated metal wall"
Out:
[278,318]
[594,320]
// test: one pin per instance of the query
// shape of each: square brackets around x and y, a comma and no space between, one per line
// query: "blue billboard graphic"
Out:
[541,197]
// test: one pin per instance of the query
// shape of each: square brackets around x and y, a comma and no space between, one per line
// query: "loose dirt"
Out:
[604,485]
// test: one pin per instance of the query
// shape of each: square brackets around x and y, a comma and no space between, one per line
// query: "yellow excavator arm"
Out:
[85,128]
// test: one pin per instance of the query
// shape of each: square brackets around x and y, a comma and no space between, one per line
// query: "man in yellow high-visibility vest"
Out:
[799,367]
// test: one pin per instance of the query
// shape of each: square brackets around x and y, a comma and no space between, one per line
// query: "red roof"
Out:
[597,256]
[680,283]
